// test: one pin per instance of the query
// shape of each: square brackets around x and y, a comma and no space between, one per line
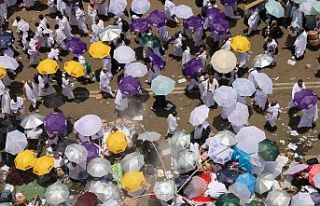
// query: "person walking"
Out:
[105,80]
[31,93]
[67,87]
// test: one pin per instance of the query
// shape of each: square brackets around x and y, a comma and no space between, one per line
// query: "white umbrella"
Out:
[32,121]
[8,62]
[186,161]
[183,11]
[225,137]
[316,180]
[162,85]
[223,61]
[294,169]
[199,115]
[242,191]
[196,187]
[215,189]
[135,69]
[225,96]
[103,190]
[264,82]
[132,162]
[117,6]
[165,190]
[257,163]
[76,153]
[57,193]
[278,198]
[248,139]
[302,199]
[140,6]
[88,125]
[262,60]
[179,141]
[150,136]
[308,7]
[98,167]
[16,142]
[264,183]
[219,153]
[110,33]
[124,54]
[240,115]
[244,87]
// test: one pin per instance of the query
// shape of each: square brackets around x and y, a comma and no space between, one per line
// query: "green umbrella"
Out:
[228,199]
[31,190]
[268,150]
[256,203]
[274,8]
[151,41]
[298,1]
[316,6]
[162,85]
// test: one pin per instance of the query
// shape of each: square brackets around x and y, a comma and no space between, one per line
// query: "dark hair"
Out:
[41,16]
[56,26]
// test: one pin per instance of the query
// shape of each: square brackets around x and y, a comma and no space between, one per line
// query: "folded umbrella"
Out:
[183,11]
[157,18]
[140,6]
[132,162]
[223,61]
[165,190]
[226,138]
[179,141]
[274,8]
[76,46]
[199,115]
[8,62]
[305,98]
[240,44]
[302,199]
[110,33]
[219,26]
[268,150]
[262,60]
[278,198]
[32,121]
[264,183]
[244,87]
[57,193]
[117,6]
[130,85]
[135,69]
[99,50]
[193,68]
[193,22]
[157,60]
[249,138]
[76,153]
[196,187]
[219,153]
[103,190]
[124,54]
[54,100]
[239,115]
[140,25]
[264,82]
[225,96]
[88,125]
[98,167]
[16,142]
[162,85]
[55,123]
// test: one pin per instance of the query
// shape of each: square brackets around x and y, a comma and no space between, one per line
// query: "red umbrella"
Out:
[87,199]
[315,169]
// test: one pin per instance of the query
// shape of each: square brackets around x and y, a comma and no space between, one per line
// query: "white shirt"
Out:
[296,88]
[169,8]
[172,123]
[16,106]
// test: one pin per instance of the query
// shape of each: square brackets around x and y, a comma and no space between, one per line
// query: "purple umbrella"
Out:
[76,46]
[140,25]
[130,85]
[193,68]
[305,98]
[157,60]
[55,123]
[92,149]
[194,22]
[214,13]
[219,26]
[228,2]
[157,18]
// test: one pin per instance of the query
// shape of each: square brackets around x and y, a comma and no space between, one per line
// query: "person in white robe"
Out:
[103,8]
[310,116]
[243,59]
[39,36]
[253,20]
[296,18]
[96,28]
[186,56]
[297,87]
[177,46]
[60,38]
[169,10]
[260,99]
[273,112]
[163,33]
[43,23]
[198,134]
[202,54]
[67,87]
[5,102]
[28,3]
[252,74]
[105,80]
[121,101]
[23,29]
[33,52]
[16,106]
[31,93]
[45,88]
[300,45]
[54,54]
[79,12]
[64,25]
[226,43]
[172,125]
[92,13]
[153,72]
[209,85]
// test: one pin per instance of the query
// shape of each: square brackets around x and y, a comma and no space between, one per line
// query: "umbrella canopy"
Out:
[219,26]
[124,54]
[193,22]
[165,190]
[8,62]
[92,149]
[274,8]
[87,199]
[248,139]
[117,6]
[151,41]
[228,176]
[244,87]
[179,141]
[76,153]
[6,40]
[223,61]
[255,203]
[140,6]
[103,190]
[212,13]
[117,142]
[32,121]
[57,193]
[140,25]
[99,50]
[225,96]
[196,187]
[3,73]
[298,1]
[219,153]
[183,11]
[110,33]
[135,69]
[215,189]
[88,125]
[241,191]
[294,169]
[76,46]
[199,115]
[258,164]
[228,2]
[316,180]
[310,7]
[248,180]
[30,190]
[313,172]
[302,199]
[268,150]
[132,162]
[186,161]
[228,199]
[239,115]
[264,82]
[43,165]
[149,136]
[193,68]
[278,198]
[98,167]
[130,85]
[264,183]
[74,69]
[243,159]
[240,44]
[157,60]
[54,100]
[162,85]
[48,66]
[226,138]
[157,18]
[16,142]
[262,60]
[25,160]
[305,98]
[55,123]
[133,181]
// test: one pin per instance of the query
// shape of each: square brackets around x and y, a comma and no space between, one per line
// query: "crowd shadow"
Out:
[81,94]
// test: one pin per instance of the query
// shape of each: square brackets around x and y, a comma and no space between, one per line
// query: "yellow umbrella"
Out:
[240,44]
[25,160]
[47,66]
[99,50]
[117,142]
[133,181]
[74,69]
[43,165]
[3,72]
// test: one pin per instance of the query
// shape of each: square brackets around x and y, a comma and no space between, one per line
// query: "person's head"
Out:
[18,18]
[274,23]
[104,70]
[41,17]
[300,82]
[274,103]
[91,4]
[14,97]
[75,59]
[36,24]
[60,16]
[269,39]
[210,77]
[56,26]
[201,49]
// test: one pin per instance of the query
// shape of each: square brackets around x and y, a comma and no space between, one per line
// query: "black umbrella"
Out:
[54,100]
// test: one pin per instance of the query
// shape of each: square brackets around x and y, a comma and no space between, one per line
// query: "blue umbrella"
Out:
[6,39]
[247,179]
[243,159]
